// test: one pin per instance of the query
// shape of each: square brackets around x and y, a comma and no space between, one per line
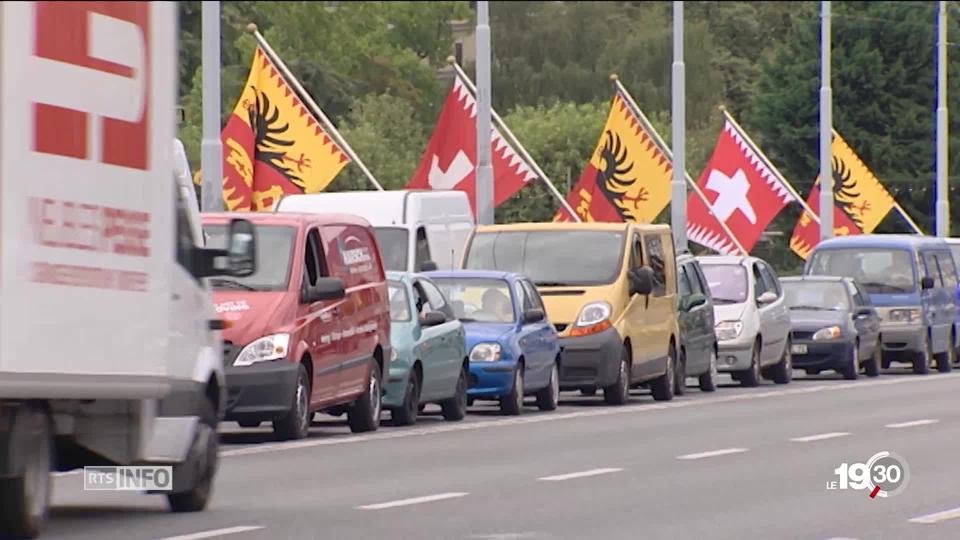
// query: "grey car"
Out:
[698,341]
[833,326]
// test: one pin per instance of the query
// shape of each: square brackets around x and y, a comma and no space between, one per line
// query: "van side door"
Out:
[948,271]
[321,321]
[635,317]
[661,310]
[188,302]
[936,302]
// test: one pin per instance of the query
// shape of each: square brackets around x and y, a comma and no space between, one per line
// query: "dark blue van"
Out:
[912,281]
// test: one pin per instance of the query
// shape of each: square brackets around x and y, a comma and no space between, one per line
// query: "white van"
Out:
[417,230]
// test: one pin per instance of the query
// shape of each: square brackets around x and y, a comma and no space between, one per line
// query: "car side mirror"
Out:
[428,266]
[325,289]
[531,316]
[641,280]
[926,283]
[432,318]
[693,301]
[767,298]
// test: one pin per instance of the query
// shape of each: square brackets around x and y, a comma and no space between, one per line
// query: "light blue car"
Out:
[429,362]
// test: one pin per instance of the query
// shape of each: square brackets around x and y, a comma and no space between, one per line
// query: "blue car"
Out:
[513,349]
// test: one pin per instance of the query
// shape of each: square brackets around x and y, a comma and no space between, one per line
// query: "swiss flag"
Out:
[741,190]
[450,159]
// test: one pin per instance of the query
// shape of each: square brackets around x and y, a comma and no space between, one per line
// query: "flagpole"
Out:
[618,86]
[826,126]
[943,196]
[678,204]
[484,177]
[211,148]
[770,165]
[512,139]
[315,109]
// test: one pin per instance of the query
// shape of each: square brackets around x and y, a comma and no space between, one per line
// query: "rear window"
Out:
[727,282]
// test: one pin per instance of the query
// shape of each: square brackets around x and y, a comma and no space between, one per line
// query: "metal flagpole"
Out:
[826,127]
[943,196]
[484,176]
[678,196]
[512,139]
[211,149]
[618,87]
[314,108]
[771,166]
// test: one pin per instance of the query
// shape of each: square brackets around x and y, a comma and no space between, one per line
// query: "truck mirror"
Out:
[241,248]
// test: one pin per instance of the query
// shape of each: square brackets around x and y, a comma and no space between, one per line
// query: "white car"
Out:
[752,319]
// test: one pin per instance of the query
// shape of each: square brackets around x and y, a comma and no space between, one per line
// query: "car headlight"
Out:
[485,352]
[593,318]
[263,350]
[832,332]
[906,315]
[727,330]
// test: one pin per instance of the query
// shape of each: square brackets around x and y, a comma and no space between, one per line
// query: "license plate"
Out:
[798,349]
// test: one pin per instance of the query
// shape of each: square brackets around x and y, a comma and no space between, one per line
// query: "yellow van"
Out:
[610,291]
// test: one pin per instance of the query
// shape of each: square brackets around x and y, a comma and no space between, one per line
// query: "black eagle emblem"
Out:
[268,129]
[614,180]
[845,192]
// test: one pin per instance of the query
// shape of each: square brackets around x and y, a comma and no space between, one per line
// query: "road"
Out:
[738,463]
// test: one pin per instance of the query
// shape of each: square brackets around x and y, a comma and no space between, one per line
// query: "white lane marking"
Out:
[713,453]
[214,533]
[937,517]
[74,472]
[581,474]
[912,423]
[645,408]
[415,500]
[820,436]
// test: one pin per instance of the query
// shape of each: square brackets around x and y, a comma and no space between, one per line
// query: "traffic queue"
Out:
[394,300]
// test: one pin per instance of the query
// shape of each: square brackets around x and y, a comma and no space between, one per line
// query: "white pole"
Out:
[943,195]
[484,189]
[678,195]
[211,149]
[826,127]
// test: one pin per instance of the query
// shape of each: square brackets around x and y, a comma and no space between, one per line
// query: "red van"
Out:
[310,330]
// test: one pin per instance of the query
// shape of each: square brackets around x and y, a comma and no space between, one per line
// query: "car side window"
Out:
[420,300]
[637,252]
[313,268]
[948,270]
[759,284]
[770,279]
[854,294]
[654,248]
[521,296]
[696,286]
[532,296]
[683,282]
[435,299]
[862,293]
[932,270]
[422,249]
[185,242]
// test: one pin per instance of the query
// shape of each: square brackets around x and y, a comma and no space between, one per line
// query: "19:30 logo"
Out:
[885,474]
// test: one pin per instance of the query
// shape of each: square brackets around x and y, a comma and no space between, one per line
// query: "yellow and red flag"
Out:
[627,177]
[273,144]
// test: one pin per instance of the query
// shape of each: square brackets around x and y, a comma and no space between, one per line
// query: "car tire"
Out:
[25,499]
[406,414]
[921,362]
[618,393]
[945,359]
[296,424]
[206,449]
[455,408]
[549,397]
[872,366]
[708,381]
[512,403]
[750,377]
[680,377]
[364,415]
[782,372]
[662,387]
[851,371]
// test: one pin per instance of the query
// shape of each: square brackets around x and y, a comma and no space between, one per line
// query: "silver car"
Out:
[752,319]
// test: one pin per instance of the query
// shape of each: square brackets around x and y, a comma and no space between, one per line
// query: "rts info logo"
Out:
[886,474]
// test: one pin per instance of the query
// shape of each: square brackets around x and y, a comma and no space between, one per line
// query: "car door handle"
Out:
[174,296]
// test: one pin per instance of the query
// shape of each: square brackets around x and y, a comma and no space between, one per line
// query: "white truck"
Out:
[110,350]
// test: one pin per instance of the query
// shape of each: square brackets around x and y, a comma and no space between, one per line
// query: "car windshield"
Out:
[550,258]
[879,271]
[816,295]
[478,299]
[393,247]
[727,282]
[399,302]
[274,253]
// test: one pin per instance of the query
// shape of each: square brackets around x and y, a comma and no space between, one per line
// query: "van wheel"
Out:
[203,459]
[618,393]
[25,499]
[365,414]
[512,403]
[549,397]
[296,425]
[455,408]
[708,381]
[945,359]
[662,387]
[921,362]
[852,370]
[680,378]
[750,377]
[406,415]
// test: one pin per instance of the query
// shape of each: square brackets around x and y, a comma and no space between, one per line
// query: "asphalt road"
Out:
[739,463]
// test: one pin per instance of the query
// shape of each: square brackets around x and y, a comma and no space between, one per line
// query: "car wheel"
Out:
[296,425]
[782,373]
[945,360]
[548,398]
[708,381]
[662,387]
[872,366]
[851,371]
[406,415]
[512,403]
[618,393]
[750,377]
[455,408]
[680,377]
[921,363]
[204,454]
[365,414]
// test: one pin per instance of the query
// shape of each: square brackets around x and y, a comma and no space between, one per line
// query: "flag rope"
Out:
[315,109]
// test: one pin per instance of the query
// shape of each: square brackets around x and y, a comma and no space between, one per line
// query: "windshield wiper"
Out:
[717,300]
[232,283]
[549,283]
